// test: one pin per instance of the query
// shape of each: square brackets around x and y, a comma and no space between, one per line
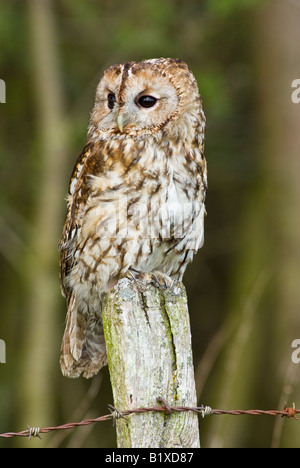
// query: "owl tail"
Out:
[83,347]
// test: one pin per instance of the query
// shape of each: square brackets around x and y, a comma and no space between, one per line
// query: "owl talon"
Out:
[141,276]
[157,279]
[130,275]
[162,280]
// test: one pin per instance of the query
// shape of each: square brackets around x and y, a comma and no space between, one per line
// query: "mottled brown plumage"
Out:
[136,196]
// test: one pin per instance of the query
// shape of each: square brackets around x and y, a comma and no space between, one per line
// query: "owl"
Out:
[136,197]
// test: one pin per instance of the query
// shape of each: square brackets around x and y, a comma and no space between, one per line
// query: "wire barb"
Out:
[168,409]
[33,432]
[291,412]
[116,414]
[206,411]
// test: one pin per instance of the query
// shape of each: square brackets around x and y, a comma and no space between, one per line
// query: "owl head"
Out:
[143,98]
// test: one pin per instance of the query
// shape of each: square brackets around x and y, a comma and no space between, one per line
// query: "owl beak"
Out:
[120,122]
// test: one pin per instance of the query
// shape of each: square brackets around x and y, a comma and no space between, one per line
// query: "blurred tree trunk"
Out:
[265,302]
[42,324]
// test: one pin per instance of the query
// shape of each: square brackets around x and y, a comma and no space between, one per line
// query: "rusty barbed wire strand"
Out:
[287,412]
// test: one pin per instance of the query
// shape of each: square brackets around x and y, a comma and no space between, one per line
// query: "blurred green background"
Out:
[243,286]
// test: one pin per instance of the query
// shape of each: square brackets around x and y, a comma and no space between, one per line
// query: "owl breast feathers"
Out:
[136,196]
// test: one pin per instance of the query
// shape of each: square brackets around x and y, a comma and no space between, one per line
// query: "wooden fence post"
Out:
[148,339]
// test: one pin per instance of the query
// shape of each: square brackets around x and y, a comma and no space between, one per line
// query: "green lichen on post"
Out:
[148,341]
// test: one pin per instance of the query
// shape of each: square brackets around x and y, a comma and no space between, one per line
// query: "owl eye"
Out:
[111,99]
[147,101]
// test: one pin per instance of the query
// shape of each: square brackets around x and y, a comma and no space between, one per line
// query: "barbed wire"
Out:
[30,432]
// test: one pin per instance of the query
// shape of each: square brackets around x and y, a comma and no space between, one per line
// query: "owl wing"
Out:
[75,357]
[77,197]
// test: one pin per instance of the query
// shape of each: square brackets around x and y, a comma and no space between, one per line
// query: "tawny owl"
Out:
[136,196]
